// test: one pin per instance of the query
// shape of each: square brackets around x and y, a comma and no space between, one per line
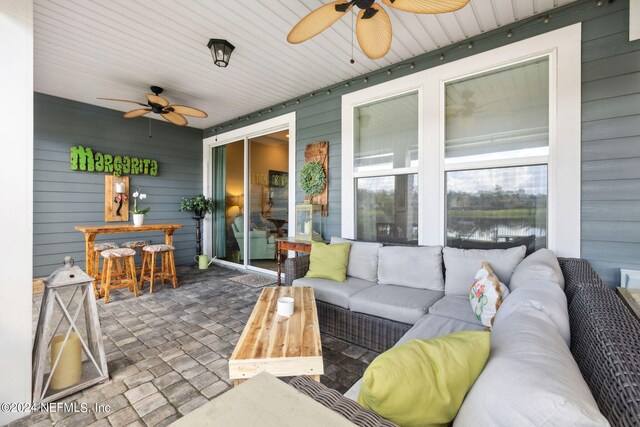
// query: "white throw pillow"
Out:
[486,294]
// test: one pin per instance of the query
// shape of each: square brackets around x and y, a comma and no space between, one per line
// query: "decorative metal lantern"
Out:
[220,51]
[68,352]
[308,222]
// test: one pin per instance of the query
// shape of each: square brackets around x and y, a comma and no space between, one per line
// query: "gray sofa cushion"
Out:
[399,303]
[540,265]
[336,293]
[542,295]
[363,259]
[416,267]
[461,265]
[456,307]
[531,379]
[433,325]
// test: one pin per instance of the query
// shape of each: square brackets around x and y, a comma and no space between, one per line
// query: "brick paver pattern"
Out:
[167,352]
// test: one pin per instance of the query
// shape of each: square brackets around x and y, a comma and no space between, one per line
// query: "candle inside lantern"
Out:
[307,227]
[69,369]
[120,187]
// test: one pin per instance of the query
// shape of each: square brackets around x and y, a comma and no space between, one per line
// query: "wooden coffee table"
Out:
[282,346]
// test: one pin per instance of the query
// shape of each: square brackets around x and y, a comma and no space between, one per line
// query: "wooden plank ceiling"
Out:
[85,49]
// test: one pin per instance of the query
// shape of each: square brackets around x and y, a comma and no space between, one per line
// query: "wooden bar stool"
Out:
[137,246]
[167,269]
[112,258]
[97,250]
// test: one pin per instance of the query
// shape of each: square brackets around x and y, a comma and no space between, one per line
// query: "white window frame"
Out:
[265,127]
[390,171]
[634,20]
[563,47]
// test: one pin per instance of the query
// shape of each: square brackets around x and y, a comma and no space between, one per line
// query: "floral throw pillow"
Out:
[486,295]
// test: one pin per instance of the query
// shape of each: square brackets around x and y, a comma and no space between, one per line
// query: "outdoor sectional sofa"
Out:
[564,348]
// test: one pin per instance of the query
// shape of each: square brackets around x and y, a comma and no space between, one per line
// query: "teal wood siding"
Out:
[610,126]
[610,143]
[63,198]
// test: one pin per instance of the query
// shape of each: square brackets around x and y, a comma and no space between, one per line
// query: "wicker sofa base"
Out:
[605,343]
[375,333]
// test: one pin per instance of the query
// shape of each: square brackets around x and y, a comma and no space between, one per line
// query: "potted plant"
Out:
[200,206]
[138,214]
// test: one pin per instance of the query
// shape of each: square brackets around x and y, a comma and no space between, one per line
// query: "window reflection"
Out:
[387,209]
[386,134]
[497,208]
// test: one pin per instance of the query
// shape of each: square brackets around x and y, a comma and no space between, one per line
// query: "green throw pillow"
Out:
[329,261]
[423,382]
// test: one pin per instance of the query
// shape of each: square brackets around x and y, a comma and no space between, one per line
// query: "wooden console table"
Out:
[630,298]
[90,233]
[289,244]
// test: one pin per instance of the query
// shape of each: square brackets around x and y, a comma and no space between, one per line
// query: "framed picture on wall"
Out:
[278,178]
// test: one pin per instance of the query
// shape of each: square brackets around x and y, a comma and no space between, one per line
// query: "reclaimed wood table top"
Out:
[279,345]
[263,401]
[631,297]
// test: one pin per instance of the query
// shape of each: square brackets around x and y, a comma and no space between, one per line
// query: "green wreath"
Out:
[312,178]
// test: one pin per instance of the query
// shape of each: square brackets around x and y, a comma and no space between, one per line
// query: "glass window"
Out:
[497,208]
[386,134]
[387,209]
[502,111]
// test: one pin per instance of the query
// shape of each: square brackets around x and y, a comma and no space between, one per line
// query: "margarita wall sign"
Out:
[85,159]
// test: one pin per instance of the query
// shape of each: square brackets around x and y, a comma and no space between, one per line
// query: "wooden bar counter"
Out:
[91,231]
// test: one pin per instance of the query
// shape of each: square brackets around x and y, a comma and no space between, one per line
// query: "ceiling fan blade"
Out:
[124,100]
[426,6]
[155,99]
[189,111]
[374,33]
[137,113]
[174,118]
[317,21]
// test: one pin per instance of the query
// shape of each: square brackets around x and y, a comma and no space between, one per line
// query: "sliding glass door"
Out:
[251,189]
[268,196]
[229,196]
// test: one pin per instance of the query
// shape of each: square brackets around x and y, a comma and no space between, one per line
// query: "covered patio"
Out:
[168,352]
[216,140]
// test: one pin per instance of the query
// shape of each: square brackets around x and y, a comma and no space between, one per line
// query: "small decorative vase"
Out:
[138,219]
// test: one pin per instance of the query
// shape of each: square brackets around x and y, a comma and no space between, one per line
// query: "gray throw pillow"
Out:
[461,266]
[415,267]
[541,265]
[363,259]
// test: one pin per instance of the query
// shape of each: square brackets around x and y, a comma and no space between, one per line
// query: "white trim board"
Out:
[16,158]
[634,20]
[563,48]
[285,121]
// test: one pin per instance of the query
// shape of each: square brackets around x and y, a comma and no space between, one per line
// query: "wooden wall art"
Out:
[116,198]
[319,152]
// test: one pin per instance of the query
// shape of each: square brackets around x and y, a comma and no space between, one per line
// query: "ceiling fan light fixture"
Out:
[220,51]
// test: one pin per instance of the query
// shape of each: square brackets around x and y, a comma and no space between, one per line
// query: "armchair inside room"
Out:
[262,245]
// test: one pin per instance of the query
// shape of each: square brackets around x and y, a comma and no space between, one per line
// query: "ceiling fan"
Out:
[466,109]
[373,26]
[157,104]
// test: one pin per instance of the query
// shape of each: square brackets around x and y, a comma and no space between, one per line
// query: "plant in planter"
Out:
[200,206]
[312,179]
[138,214]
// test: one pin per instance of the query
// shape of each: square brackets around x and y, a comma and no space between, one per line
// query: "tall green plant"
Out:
[199,205]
